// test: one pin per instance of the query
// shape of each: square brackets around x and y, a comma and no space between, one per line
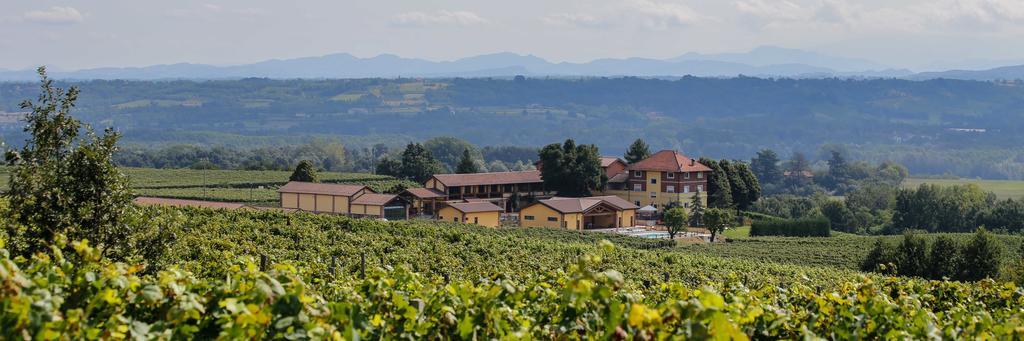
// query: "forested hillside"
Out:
[965,128]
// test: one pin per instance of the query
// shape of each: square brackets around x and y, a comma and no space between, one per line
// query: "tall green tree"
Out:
[466,164]
[305,172]
[637,151]
[912,256]
[981,257]
[766,167]
[448,151]
[570,169]
[944,259]
[696,210]
[840,216]
[389,166]
[418,164]
[717,220]
[719,192]
[675,220]
[63,180]
[745,187]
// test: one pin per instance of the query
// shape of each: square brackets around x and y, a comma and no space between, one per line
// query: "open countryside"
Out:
[512,171]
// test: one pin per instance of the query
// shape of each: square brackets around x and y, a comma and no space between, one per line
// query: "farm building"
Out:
[579,213]
[480,213]
[661,180]
[423,201]
[352,200]
[506,189]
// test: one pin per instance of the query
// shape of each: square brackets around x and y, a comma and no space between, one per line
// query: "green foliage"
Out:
[979,258]
[449,151]
[304,172]
[839,216]
[63,182]
[696,210]
[766,167]
[466,164]
[571,170]
[719,192]
[941,209]
[675,220]
[717,220]
[416,164]
[637,151]
[804,227]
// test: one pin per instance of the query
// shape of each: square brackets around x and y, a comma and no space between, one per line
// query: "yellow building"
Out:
[352,200]
[667,177]
[480,213]
[579,213]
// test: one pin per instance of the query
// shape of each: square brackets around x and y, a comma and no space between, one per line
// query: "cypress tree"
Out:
[981,257]
[696,210]
[304,172]
[466,164]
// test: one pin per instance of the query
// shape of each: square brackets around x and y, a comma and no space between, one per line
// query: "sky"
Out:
[916,34]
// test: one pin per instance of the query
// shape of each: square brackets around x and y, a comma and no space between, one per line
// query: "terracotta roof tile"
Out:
[570,205]
[151,201]
[320,188]
[608,160]
[616,201]
[669,161]
[496,178]
[425,193]
[373,199]
[473,207]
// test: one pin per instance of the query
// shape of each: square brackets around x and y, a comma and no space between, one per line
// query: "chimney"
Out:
[693,162]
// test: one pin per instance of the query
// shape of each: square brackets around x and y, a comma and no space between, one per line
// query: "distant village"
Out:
[633,196]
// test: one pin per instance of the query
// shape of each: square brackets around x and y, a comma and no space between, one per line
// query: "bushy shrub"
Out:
[806,227]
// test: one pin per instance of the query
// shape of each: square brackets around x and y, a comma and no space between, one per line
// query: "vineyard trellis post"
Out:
[263,262]
[362,265]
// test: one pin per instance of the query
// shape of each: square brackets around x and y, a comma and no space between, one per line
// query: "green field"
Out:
[256,187]
[1004,189]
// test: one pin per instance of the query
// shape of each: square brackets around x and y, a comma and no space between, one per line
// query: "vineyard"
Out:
[334,277]
[255,187]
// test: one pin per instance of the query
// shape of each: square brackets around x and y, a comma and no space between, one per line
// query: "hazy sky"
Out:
[901,33]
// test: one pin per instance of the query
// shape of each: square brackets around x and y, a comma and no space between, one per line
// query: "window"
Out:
[700,188]
[528,217]
[636,203]
[638,187]
[700,175]
[654,194]
[456,219]
[670,175]
[670,188]
[686,175]
[686,189]
[476,220]
[552,218]
[654,181]
[638,174]
[686,205]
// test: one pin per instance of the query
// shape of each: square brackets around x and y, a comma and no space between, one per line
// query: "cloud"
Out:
[55,15]
[438,18]
[208,11]
[976,12]
[646,14]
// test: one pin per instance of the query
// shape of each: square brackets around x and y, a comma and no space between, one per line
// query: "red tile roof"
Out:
[669,161]
[373,199]
[319,188]
[474,207]
[425,193]
[570,205]
[609,160]
[616,201]
[151,201]
[497,178]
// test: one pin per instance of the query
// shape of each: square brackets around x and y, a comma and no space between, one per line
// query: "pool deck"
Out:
[647,232]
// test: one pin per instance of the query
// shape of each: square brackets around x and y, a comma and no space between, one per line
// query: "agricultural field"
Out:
[255,187]
[241,274]
[1004,189]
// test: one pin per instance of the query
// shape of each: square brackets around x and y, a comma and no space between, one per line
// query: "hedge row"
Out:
[805,227]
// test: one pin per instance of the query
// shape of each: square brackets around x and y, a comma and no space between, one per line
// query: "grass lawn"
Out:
[1004,189]
[737,232]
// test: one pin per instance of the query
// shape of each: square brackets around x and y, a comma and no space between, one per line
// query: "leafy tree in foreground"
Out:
[912,256]
[637,151]
[944,260]
[305,172]
[64,182]
[389,166]
[717,220]
[675,220]
[466,164]
[719,192]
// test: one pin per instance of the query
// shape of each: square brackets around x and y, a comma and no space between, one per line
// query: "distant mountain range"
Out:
[760,62]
